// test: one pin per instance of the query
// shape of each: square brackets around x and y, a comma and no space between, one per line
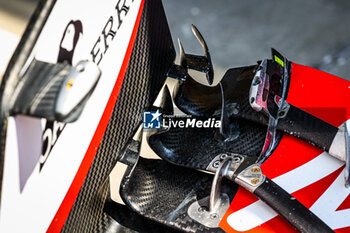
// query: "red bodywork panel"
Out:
[327,97]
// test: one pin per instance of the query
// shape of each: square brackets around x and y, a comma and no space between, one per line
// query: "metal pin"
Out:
[221,172]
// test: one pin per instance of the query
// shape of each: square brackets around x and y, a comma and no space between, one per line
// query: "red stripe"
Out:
[345,204]
[311,193]
[68,201]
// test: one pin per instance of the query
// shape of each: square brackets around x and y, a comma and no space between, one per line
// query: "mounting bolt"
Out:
[214,216]
[255,169]
[216,164]
[236,159]
[223,156]
[254,181]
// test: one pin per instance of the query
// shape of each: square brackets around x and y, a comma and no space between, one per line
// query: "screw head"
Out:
[255,169]
[236,159]
[223,156]
[216,164]
[214,216]
[254,181]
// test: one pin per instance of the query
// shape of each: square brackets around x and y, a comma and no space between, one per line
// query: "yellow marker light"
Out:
[69,84]
[279,61]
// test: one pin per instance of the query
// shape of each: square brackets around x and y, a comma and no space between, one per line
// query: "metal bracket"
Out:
[210,210]
[260,84]
[198,211]
[250,178]
[258,101]
[238,168]
[217,161]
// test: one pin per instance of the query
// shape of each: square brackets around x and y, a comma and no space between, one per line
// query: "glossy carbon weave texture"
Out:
[39,75]
[163,192]
[119,218]
[197,147]
[153,46]
[200,100]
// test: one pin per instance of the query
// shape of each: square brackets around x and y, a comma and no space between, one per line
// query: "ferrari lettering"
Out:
[110,30]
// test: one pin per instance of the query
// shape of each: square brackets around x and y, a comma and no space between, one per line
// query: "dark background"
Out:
[314,32]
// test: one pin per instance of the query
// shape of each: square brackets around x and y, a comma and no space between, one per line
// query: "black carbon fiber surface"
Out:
[163,192]
[197,147]
[236,85]
[38,78]
[119,218]
[307,127]
[196,99]
[153,46]
[205,101]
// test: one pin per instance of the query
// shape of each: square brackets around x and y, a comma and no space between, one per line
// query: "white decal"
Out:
[258,212]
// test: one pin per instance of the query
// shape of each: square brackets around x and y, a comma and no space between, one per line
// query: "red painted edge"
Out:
[68,201]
